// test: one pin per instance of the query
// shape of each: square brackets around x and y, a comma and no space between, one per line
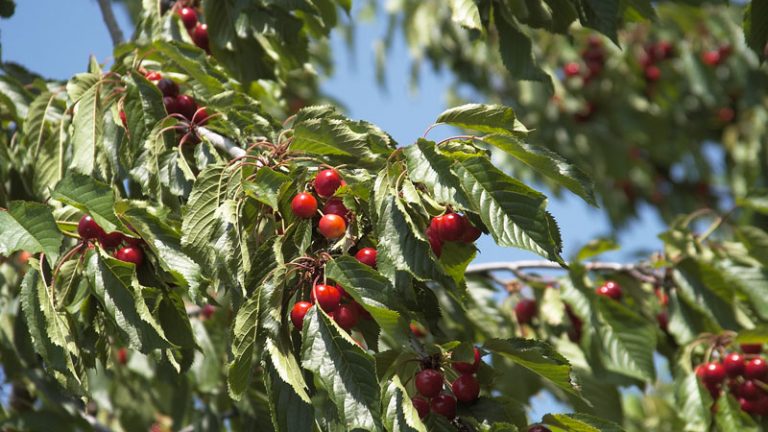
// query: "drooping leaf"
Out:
[548,164]
[88,129]
[343,369]
[241,367]
[537,356]
[514,213]
[516,52]
[89,195]
[289,412]
[756,26]
[484,118]
[28,226]
[627,339]
[426,165]
[399,413]
[580,423]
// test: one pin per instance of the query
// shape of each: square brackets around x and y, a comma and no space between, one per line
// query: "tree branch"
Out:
[109,19]
[638,271]
[221,142]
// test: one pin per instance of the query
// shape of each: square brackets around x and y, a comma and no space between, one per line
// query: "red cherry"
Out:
[171,105]
[367,256]
[429,382]
[451,227]
[445,405]
[130,241]
[130,254]
[662,296]
[122,355]
[417,330]
[664,50]
[153,76]
[328,296]
[652,73]
[466,388]
[571,69]
[751,348]
[298,312]
[346,316]
[326,182]
[188,17]
[714,373]
[332,226]
[421,405]
[725,51]
[711,58]
[304,205]
[761,405]
[756,369]
[200,117]
[337,207]
[663,319]
[111,240]
[123,119]
[610,289]
[186,106]
[726,114]
[471,233]
[467,368]
[200,36]
[525,310]
[749,390]
[168,87]
[747,406]
[734,364]
[208,310]
[89,229]
[434,241]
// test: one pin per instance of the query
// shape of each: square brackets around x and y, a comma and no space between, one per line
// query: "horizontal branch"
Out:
[221,142]
[638,271]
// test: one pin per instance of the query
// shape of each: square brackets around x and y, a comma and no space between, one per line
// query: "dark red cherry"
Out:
[88,229]
[610,289]
[298,312]
[130,254]
[171,105]
[111,240]
[327,296]
[752,348]
[466,388]
[525,310]
[186,105]
[734,364]
[756,369]
[337,207]
[421,405]
[445,405]
[326,182]
[367,256]
[188,17]
[168,87]
[469,368]
[346,316]
[200,36]
[429,382]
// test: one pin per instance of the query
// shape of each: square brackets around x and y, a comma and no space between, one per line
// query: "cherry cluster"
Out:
[716,57]
[197,30]
[651,56]
[430,382]
[593,57]
[335,301]
[450,227]
[744,374]
[180,104]
[333,222]
[128,248]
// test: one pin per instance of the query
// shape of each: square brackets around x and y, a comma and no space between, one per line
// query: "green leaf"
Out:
[241,367]
[484,118]
[752,281]
[756,26]
[602,15]
[428,166]
[89,195]
[537,356]
[206,81]
[165,242]
[340,140]
[516,52]
[580,423]
[692,402]
[399,413]
[757,335]
[289,412]
[496,410]
[595,248]
[756,242]
[627,339]
[706,285]
[547,163]
[466,14]
[730,418]
[514,213]
[267,185]
[51,336]
[29,226]
[88,128]
[372,290]
[343,369]
[757,201]
[117,289]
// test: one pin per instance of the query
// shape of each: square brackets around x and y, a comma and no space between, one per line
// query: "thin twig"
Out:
[637,271]
[221,142]
[109,19]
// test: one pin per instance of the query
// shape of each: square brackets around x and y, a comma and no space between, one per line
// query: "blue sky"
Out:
[55,38]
